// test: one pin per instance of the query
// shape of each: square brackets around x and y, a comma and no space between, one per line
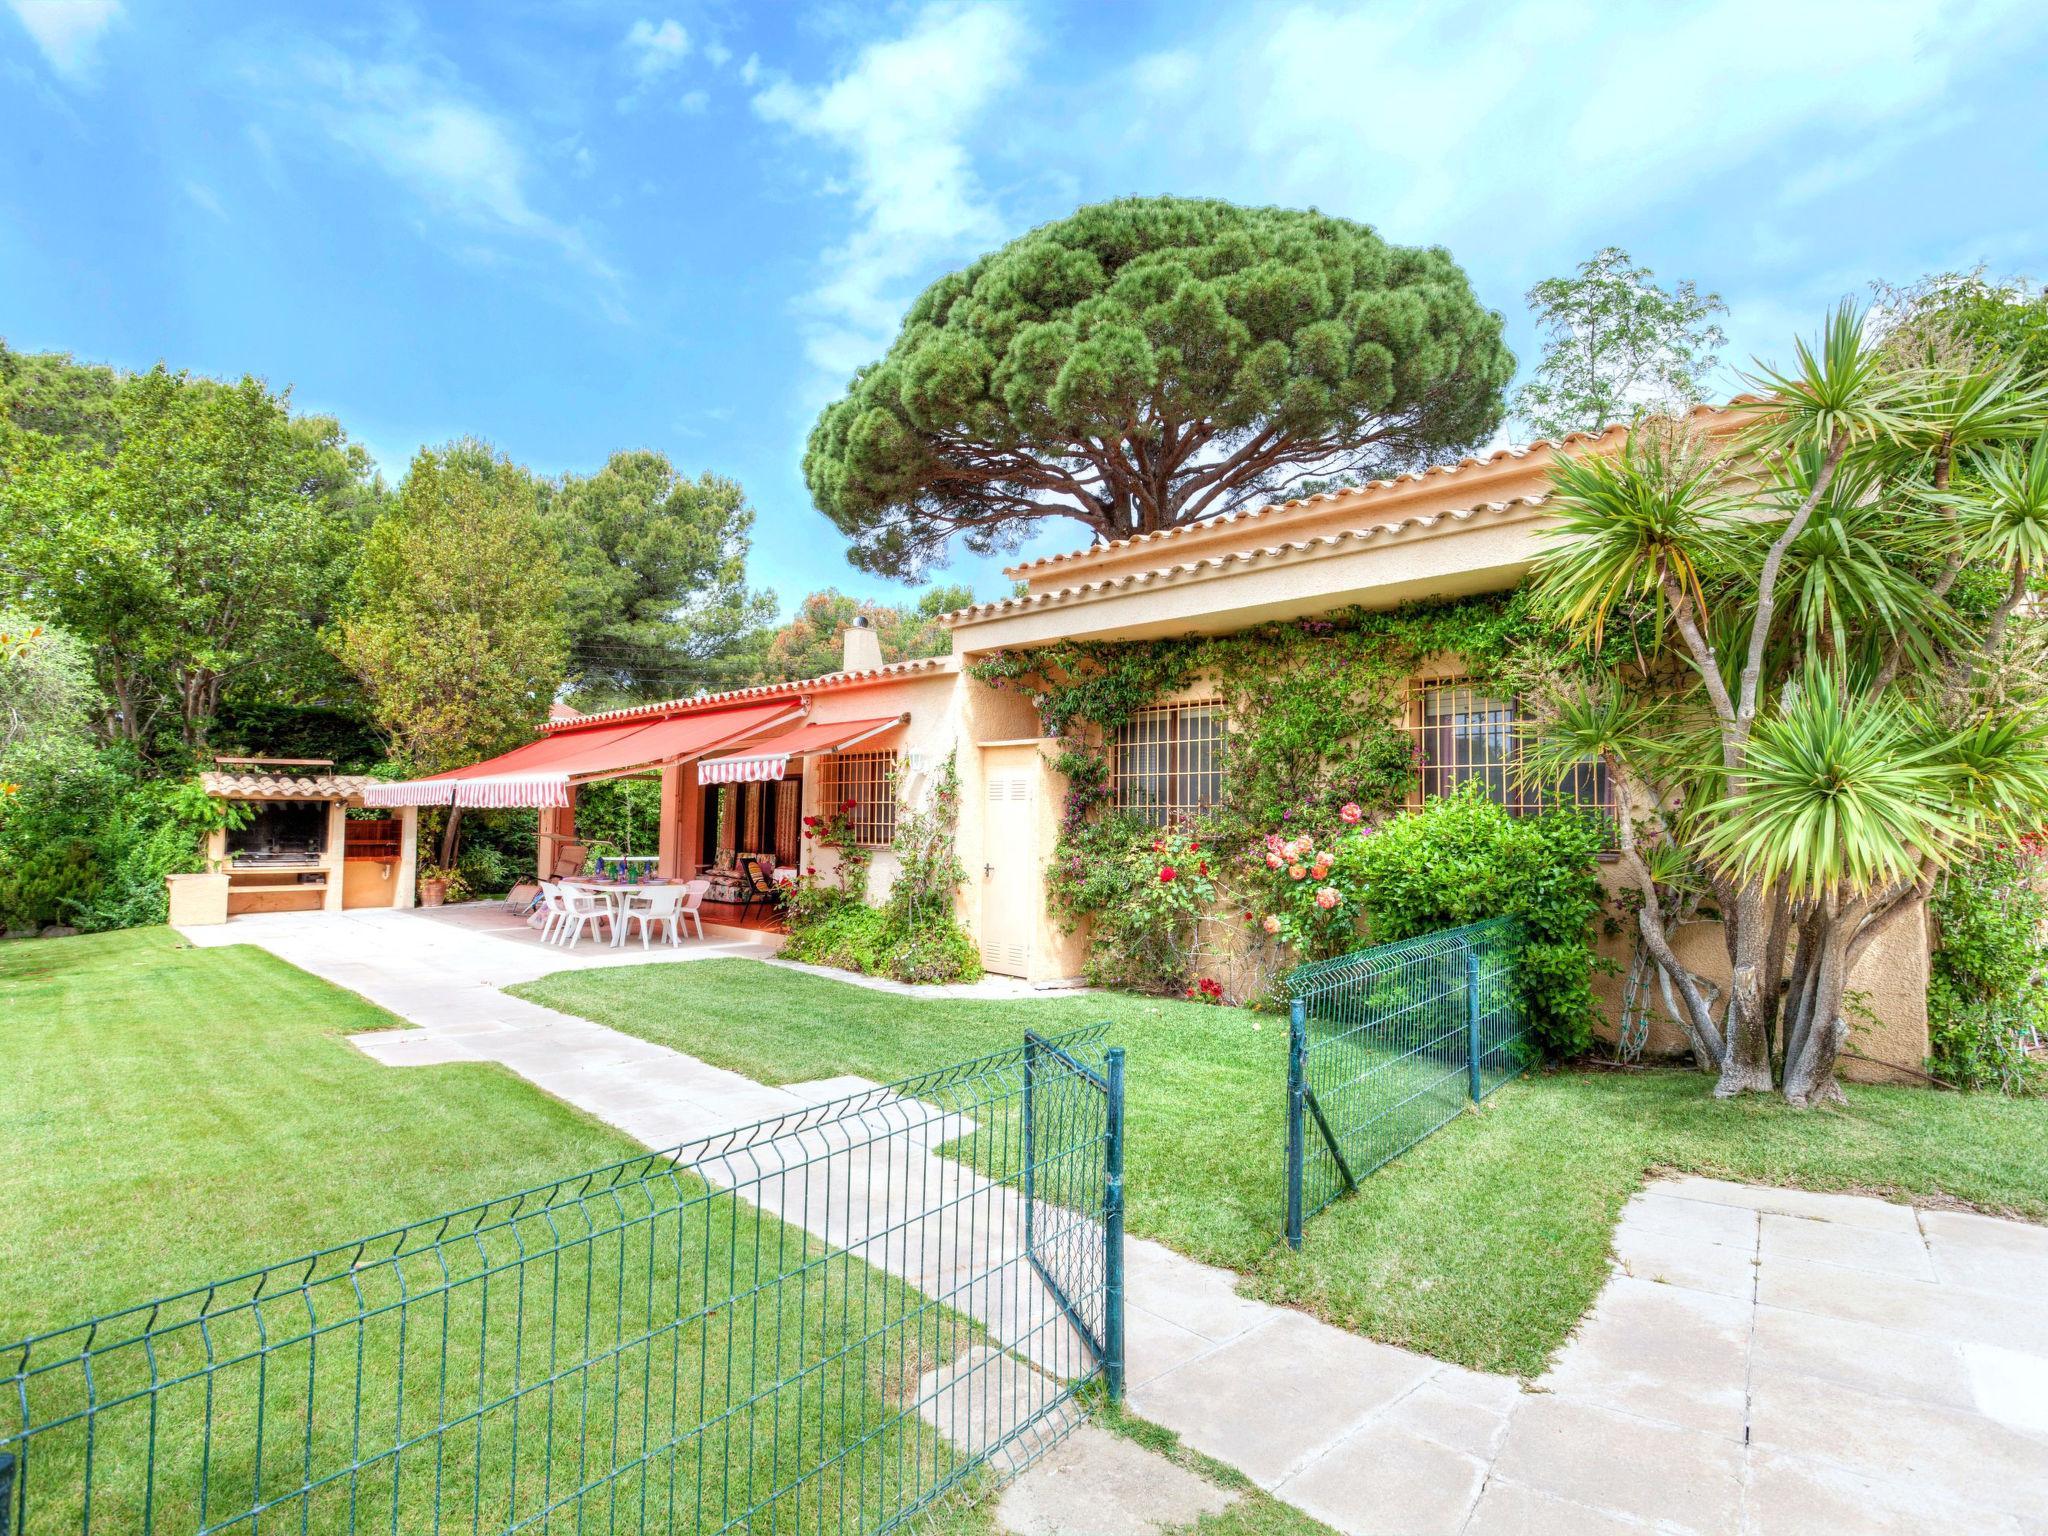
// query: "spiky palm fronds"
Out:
[1839,393]
[2003,512]
[1839,795]
[1627,521]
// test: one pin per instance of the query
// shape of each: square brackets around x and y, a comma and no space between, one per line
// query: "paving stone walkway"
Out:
[1761,1361]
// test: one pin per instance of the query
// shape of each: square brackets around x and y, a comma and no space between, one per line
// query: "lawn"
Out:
[173,1116]
[1484,1245]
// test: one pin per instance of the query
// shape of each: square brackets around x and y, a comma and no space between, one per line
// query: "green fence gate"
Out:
[821,1323]
[1386,1045]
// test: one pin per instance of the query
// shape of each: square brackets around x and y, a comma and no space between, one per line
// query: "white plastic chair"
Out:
[587,908]
[653,907]
[693,899]
[555,912]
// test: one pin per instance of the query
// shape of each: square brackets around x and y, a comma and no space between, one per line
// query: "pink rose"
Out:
[1327,897]
[1271,924]
[1320,869]
[1274,861]
[1351,813]
[1297,872]
[1308,844]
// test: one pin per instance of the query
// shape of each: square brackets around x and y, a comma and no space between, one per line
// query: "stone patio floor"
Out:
[1761,1361]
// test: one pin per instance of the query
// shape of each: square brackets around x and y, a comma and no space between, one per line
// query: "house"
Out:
[741,769]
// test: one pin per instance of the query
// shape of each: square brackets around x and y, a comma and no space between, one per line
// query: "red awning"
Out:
[540,773]
[771,757]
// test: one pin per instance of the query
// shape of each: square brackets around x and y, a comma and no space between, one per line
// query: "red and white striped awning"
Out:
[772,760]
[541,772]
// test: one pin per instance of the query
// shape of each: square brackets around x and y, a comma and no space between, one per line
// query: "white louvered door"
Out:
[1009,872]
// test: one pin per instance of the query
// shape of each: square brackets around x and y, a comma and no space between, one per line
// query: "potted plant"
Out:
[439,884]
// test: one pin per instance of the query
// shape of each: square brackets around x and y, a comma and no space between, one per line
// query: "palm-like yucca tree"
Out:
[1826,748]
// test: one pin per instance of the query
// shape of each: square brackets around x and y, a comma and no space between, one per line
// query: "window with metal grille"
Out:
[868,780]
[1468,735]
[1168,762]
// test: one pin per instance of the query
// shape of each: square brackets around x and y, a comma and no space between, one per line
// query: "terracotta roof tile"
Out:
[283,786]
[1160,575]
[691,706]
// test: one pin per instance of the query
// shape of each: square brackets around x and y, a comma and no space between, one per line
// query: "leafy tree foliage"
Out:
[809,644]
[1147,362]
[654,571]
[48,394]
[1810,719]
[46,684]
[198,552]
[458,630]
[1616,345]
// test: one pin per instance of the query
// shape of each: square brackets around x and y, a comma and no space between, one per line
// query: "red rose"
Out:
[1202,868]
[849,805]
[1166,874]
[810,821]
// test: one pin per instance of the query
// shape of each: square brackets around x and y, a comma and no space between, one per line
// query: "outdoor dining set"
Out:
[623,896]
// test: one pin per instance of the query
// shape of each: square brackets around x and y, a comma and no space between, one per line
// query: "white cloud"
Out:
[67,31]
[900,115]
[694,102]
[205,197]
[718,54]
[414,122]
[1550,115]
[656,47]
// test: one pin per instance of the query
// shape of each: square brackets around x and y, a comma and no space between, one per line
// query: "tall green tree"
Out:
[199,552]
[458,629]
[1801,689]
[1148,362]
[50,395]
[809,644]
[654,567]
[1615,346]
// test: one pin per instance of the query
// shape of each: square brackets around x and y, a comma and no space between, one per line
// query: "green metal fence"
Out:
[821,1323]
[1386,1045]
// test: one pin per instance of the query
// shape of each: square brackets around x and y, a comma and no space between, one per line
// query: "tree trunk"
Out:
[1810,1064]
[1746,1063]
[451,837]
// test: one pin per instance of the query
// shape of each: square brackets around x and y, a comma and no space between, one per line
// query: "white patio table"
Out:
[618,893]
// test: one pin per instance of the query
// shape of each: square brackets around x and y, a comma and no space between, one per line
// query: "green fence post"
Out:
[1030,1138]
[1472,1020]
[1113,1232]
[6,1492]
[1297,1094]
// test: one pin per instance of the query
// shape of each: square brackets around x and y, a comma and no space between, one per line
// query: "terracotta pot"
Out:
[433,892]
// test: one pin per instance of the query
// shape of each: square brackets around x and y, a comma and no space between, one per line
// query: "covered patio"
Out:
[733,787]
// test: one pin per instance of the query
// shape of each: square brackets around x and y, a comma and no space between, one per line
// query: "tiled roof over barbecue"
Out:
[259,785]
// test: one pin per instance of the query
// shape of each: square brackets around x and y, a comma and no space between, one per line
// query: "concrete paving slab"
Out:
[1681,1480]
[1275,1398]
[1662,1353]
[1907,1306]
[1861,1355]
[2010,1387]
[1387,1479]
[1797,1495]
[1667,1258]
[1901,1255]
[1508,1508]
[1099,1483]
[1846,1210]
[1700,1221]
[1963,1458]
[1451,1418]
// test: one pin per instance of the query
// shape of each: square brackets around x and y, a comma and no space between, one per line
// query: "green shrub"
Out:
[1985,1001]
[487,869]
[1460,859]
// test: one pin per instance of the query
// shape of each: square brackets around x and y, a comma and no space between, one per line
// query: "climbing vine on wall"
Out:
[1316,722]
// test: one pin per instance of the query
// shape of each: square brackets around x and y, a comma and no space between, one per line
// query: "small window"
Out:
[1468,735]
[1168,762]
[868,779]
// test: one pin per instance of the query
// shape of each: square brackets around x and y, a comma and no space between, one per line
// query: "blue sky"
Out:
[577,227]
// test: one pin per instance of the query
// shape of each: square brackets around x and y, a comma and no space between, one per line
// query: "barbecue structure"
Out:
[306,846]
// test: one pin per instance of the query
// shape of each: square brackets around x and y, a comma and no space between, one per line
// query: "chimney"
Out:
[860,646]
